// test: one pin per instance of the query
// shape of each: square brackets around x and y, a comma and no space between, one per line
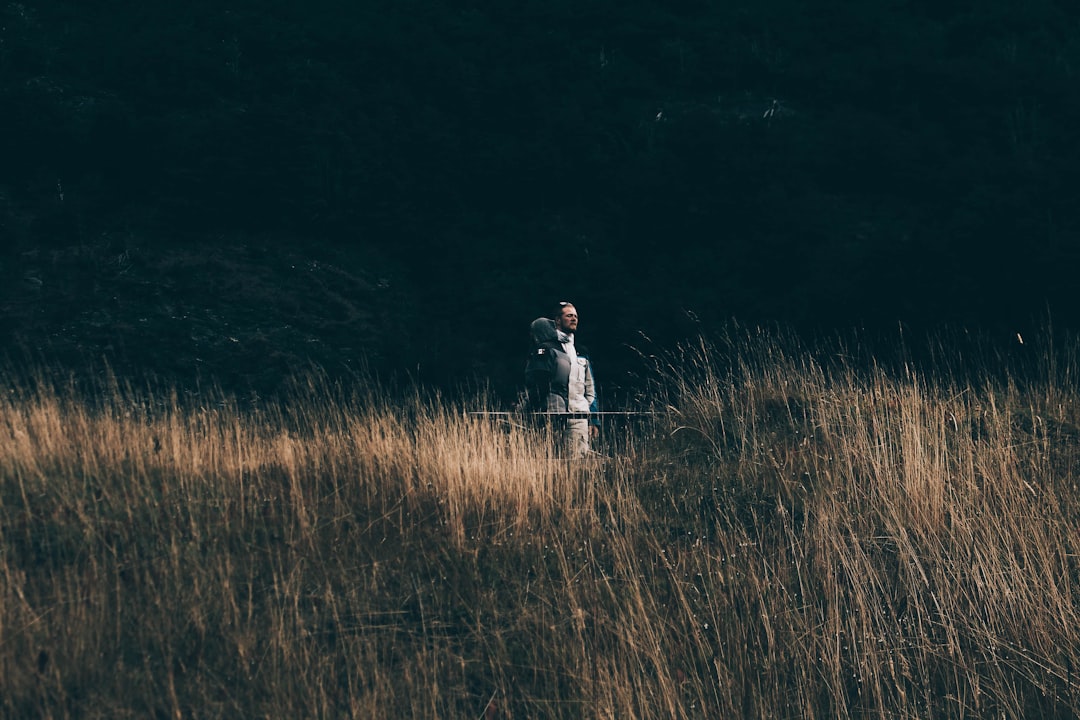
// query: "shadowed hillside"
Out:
[826,166]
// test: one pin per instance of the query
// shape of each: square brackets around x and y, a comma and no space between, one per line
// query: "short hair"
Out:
[559,308]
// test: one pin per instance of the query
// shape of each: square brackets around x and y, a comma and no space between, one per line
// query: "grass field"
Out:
[806,533]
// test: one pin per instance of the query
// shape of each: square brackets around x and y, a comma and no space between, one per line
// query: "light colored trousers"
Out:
[577,438]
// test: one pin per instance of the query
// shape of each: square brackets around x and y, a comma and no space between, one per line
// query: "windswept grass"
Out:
[801,536]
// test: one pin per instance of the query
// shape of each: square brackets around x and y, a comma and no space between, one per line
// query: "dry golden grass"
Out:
[798,538]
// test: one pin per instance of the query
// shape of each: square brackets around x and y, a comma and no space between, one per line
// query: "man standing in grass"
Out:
[559,378]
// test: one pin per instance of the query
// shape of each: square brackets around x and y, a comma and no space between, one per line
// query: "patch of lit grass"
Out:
[795,538]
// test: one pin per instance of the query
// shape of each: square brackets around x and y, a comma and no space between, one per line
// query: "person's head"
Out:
[566,318]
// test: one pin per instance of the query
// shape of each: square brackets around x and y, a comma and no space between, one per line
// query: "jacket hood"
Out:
[543,331]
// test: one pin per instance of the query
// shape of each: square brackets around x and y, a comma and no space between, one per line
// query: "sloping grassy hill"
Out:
[229,310]
[801,535]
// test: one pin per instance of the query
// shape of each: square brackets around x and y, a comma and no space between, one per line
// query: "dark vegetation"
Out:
[233,190]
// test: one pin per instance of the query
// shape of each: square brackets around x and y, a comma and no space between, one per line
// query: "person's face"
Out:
[567,321]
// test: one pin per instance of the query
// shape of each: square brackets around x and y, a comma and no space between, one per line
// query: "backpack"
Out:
[541,366]
[539,370]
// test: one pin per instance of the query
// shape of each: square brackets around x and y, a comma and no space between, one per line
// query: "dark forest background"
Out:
[232,189]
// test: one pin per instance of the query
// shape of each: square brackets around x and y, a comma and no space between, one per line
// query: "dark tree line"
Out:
[451,168]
